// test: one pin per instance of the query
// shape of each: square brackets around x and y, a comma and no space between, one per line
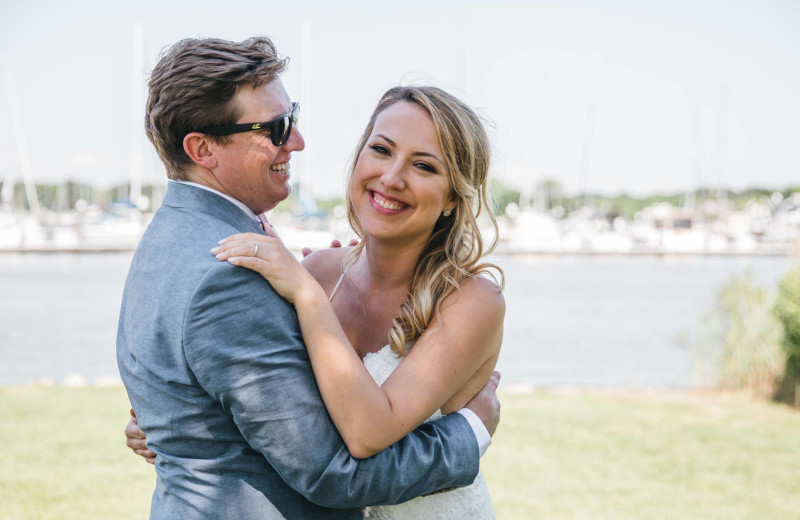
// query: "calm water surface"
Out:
[583,321]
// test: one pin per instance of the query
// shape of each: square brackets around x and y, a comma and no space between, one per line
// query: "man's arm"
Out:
[483,412]
[260,373]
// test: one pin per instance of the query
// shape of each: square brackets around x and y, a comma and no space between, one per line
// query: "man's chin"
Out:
[278,194]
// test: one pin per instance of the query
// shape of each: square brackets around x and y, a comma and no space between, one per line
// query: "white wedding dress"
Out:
[472,502]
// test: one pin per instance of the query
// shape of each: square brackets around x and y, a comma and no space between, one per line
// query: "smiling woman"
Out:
[400,184]
[416,188]
[447,142]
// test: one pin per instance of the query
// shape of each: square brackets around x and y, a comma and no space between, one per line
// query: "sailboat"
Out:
[87,228]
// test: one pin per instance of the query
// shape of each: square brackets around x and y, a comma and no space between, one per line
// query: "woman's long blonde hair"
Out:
[455,248]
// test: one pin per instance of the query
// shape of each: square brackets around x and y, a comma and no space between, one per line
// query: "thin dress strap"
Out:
[336,288]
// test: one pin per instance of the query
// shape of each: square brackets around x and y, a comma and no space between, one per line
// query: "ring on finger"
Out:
[255,249]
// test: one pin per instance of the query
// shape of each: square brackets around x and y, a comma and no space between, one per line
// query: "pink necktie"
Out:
[266,226]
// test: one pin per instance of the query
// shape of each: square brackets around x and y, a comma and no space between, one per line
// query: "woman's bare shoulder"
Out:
[325,265]
[482,287]
[478,293]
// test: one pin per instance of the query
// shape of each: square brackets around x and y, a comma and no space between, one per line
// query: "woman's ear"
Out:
[196,146]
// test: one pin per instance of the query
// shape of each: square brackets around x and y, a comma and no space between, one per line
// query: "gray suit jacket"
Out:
[215,368]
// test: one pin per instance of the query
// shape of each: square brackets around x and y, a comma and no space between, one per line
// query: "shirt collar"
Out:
[238,203]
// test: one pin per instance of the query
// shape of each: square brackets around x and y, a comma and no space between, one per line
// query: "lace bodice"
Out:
[471,502]
[380,366]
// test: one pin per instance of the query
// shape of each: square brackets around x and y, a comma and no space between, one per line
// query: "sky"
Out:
[623,96]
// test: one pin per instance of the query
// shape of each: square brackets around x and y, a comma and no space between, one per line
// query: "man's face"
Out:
[250,168]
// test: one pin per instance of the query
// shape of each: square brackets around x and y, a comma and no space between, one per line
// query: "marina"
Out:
[608,321]
[769,227]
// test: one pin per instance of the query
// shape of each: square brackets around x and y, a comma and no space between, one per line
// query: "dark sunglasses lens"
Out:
[281,130]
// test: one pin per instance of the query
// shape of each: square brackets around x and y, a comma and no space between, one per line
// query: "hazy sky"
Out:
[635,96]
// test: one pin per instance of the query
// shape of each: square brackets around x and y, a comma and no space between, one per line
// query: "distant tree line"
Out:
[65,197]
[547,195]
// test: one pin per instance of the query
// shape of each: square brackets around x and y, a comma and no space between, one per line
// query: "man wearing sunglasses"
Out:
[211,357]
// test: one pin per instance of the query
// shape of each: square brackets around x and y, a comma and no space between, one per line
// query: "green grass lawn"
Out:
[582,456]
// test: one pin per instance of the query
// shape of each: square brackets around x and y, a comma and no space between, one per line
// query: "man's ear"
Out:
[196,146]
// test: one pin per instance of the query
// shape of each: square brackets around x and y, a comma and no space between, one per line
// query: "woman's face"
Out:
[400,184]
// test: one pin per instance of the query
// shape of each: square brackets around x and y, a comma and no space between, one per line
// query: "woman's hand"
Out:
[270,258]
[137,440]
[334,244]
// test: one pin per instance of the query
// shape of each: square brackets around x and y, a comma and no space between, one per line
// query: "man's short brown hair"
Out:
[193,86]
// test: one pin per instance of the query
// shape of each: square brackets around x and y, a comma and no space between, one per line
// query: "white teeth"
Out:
[279,167]
[386,203]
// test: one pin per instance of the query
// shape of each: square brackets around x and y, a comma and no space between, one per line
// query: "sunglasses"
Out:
[279,128]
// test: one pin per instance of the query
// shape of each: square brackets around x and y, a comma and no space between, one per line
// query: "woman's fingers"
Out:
[265,255]
[136,445]
[132,430]
[242,236]
[146,454]
[136,441]
[256,264]
[230,250]
[260,247]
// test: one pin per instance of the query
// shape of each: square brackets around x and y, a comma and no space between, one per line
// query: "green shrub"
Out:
[787,309]
[748,337]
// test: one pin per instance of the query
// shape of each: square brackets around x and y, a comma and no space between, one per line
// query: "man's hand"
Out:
[307,250]
[137,441]
[486,405]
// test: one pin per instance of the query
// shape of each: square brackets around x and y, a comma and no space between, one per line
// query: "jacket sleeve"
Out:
[244,346]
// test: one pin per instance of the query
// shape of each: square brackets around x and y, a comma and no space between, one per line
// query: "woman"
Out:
[416,186]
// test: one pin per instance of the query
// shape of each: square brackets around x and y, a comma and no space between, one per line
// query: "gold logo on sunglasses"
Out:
[256,126]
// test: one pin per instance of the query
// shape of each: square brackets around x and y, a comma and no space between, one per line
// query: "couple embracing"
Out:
[359,384]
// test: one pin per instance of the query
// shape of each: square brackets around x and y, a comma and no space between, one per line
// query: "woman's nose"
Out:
[392,176]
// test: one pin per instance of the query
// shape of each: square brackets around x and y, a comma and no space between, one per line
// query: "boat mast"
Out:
[586,149]
[22,147]
[690,202]
[136,116]
[721,154]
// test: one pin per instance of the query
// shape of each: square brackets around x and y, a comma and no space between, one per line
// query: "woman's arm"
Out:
[446,367]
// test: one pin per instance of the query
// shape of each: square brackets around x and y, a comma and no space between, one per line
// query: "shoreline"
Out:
[787,253]
[76,380]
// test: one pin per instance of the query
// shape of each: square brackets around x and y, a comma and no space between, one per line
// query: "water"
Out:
[614,321]
[58,315]
[583,321]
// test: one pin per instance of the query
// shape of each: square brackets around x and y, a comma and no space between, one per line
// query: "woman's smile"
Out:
[385,202]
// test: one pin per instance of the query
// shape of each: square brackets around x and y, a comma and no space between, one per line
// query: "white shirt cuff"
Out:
[480,431]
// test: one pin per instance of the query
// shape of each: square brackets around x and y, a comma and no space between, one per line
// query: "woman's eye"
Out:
[426,167]
[380,149]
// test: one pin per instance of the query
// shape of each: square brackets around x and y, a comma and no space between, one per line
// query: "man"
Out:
[211,357]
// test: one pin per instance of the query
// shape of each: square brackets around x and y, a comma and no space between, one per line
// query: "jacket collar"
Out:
[209,202]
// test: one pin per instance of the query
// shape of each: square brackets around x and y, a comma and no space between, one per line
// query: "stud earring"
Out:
[447,213]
